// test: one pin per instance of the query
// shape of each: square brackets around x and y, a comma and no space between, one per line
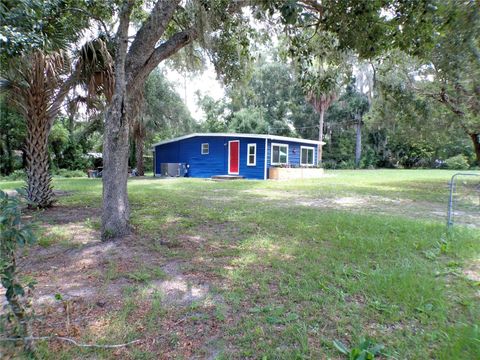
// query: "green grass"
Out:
[295,277]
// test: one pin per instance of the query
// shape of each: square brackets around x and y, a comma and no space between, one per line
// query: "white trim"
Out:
[208,150]
[271,155]
[256,136]
[265,160]
[228,165]
[154,162]
[313,157]
[254,154]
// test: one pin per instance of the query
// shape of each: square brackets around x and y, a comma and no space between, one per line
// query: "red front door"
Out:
[233,156]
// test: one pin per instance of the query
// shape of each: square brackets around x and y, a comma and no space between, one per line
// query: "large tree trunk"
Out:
[130,73]
[139,143]
[358,142]
[320,135]
[476,145]
[39,188]
[116,211]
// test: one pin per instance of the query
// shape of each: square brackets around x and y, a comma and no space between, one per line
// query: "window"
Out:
[279,154]
[306,155]
[205,149]
[252,154]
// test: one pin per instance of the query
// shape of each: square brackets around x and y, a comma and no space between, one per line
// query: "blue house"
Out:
[247,155]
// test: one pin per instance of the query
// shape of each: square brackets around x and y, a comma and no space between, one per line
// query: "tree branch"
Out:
[162,52]
[72,341]
[149,34]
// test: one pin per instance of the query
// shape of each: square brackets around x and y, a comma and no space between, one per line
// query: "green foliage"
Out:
[361,26]
[229,48]
[49,25]
[406,128]
[12,135]
[275,93]
[458,162]
[214,114]
[69,144]
[12,229]
[248,120]
[164,115]
[341,119]
[269,100]
[321,66]
[14,234]
[456,63]
[16,175]
[366,350]
[69,173]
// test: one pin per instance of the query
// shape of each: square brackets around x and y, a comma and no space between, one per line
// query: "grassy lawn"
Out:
[262,269]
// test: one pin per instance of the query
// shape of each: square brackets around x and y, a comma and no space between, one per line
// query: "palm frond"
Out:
[94,69]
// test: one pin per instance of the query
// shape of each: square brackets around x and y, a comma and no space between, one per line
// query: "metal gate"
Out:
[464,199]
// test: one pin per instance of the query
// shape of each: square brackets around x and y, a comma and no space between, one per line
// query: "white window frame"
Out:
[254,146]
[271,154]
[313,155]
[208,149]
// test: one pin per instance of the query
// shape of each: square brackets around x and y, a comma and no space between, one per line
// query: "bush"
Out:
[69,173]
[459,162]
[16,175]
[369,159]
[346,165]
[15,234]
[329,164]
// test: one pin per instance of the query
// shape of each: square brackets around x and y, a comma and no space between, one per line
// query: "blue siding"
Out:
[216,161]
[257,171]
[293,151]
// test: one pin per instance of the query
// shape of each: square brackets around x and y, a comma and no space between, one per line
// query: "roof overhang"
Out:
[256,136]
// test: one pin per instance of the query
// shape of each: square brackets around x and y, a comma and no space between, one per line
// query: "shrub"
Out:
[16,175]
[15,234]
[346,165]
[369,159]
[459,162]
[69,173]
[329,164]
[366,350]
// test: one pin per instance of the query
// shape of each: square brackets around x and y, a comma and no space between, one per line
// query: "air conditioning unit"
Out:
[173,169]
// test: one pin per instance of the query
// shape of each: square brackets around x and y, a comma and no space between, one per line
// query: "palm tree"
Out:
[37,84]
[321,102]
[94,72]
[322,74]
[37,74]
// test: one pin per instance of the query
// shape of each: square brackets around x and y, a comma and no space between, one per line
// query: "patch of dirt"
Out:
[472,272]
[82,284]
[64,214]
[178,289]
[373,204]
